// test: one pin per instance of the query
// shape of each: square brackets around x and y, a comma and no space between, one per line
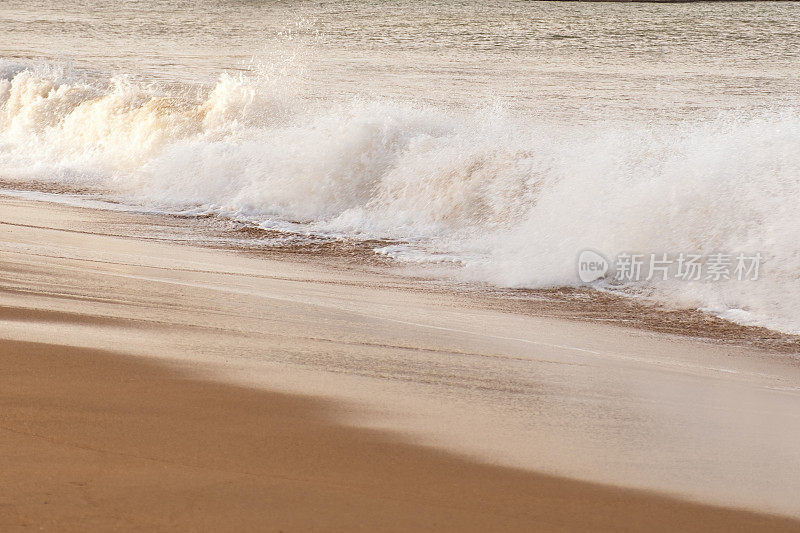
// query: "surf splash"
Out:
[512,199]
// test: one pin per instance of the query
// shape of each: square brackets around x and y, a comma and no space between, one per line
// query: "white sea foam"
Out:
[512,199]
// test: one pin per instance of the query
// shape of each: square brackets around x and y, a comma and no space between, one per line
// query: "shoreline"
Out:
[582,304]
[570,410]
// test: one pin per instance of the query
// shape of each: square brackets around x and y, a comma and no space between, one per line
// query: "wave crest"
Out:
[516,198]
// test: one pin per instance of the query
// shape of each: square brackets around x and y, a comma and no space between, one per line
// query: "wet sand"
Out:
[98,440]
[155,386]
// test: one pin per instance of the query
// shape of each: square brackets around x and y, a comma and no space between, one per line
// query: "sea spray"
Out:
[515,198]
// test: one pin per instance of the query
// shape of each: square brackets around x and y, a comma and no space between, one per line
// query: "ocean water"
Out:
[502,138]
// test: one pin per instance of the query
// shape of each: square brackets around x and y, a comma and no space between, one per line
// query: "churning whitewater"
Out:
[512,197]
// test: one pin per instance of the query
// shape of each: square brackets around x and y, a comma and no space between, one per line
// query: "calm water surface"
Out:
[579,60]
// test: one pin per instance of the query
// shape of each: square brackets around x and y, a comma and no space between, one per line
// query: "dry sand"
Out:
[148,385]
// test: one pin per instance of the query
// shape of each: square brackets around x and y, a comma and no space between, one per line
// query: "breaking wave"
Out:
[513,198]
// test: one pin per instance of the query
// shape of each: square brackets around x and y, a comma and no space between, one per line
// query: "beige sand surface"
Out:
[146,383]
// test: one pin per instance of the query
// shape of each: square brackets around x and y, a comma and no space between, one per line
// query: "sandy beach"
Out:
[358,265]
[154,385]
